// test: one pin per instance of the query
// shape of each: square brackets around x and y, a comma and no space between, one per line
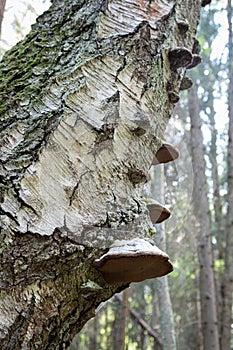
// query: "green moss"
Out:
[152,232]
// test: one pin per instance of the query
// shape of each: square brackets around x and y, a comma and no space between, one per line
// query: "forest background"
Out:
[168,313]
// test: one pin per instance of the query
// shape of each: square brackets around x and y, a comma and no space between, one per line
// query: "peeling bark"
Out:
[84,102]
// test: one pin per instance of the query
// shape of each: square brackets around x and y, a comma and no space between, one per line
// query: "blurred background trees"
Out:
[198,228]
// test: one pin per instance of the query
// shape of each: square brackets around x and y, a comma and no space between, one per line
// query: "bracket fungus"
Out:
[196,46]
[205,2]
[173,96]
[137,176]
[166,153]
[195,61]
[183,25]
[186,83]
[158,213]
[133,261]
[179,57]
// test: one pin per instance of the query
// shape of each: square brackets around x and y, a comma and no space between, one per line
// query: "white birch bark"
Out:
[84,101]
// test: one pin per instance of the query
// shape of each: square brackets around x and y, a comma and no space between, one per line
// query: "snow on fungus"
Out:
[166,153]
[133,261]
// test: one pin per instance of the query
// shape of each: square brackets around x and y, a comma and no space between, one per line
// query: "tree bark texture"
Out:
[84,101]
[227,287]
[120,323]
[165,306]
[2,8]
[201,207]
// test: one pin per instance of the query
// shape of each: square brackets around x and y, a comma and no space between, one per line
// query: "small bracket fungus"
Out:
[166,153]
[173,96]
[183,25]
[158,213]
[196,46]
[133,261]
[186,83]
[179,57]
[205,2]
[195,61]
[137,176]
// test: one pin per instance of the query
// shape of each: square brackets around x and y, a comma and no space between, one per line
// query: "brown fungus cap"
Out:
[158,213]
[205,2]
[179,57]
[166,153]
[195,61]
[133,261]
[186,83]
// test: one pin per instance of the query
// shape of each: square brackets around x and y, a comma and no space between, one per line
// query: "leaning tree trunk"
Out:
[84,102]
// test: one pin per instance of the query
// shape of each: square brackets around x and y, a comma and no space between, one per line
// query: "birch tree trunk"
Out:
[227,287]
[84,101]
[201,207]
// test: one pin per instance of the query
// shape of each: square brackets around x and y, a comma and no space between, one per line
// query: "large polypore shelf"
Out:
[133,261]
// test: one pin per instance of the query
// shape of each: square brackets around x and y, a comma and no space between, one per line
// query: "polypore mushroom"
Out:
[158,213]
[133,261]
[183,25]
[137,176]
[186,83]
[205,2]
[195,61]
[166,153]
[196,46]
[173,96]
[179,57]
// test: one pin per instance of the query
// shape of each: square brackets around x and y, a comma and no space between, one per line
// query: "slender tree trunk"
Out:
[227,287]
[167,322]
[84,102]
[218,229]
[2,9]
[94,340]
[201,208]
[198,319]
[121,321]
[145,326]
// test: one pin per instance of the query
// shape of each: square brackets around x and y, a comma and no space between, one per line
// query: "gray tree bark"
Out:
[201,208]
[84,101]
[120,322]
[2,9]
[227,286]
[165,306]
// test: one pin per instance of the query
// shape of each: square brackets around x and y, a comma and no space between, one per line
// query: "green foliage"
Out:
[219,265]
